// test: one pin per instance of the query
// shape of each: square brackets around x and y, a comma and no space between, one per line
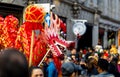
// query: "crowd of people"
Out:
[83,63]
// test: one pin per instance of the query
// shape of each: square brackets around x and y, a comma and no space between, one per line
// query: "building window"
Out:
[111,38]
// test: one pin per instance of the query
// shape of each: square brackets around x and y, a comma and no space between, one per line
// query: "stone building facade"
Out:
[103,19]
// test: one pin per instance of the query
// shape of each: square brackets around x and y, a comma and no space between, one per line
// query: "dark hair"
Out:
[13,63]
[50,55]
[103,64]
[91,66]
[32,68]
[92,62]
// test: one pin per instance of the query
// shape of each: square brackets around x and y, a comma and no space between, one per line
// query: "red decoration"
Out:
[9,29]
[23,42]
[53,35]
[34,17]
[34,13]
[1,32]
[20,38]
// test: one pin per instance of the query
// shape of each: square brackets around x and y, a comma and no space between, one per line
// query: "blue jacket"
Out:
[51,70]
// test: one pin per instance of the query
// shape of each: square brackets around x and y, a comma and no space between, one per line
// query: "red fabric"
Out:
[58,64]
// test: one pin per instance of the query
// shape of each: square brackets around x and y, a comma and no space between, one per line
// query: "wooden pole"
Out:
[31,48]
[43,58]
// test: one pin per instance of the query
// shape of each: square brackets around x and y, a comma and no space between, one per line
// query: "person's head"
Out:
[102,65]
[35,71]
[91,63]
[73,51]
[89,48]
[13,63]
[73,57]
[68,69]
[49,58]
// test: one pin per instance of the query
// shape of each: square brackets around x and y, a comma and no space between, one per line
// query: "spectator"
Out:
[91,66]
[118,64]
[44,67]
[68,69]
[13,63]
[113,67]
[35,72]
[99,48]
[89,53]
[102,68]
[74,56]
[51,70]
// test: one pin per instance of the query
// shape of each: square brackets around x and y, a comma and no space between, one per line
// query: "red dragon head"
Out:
[53,37]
